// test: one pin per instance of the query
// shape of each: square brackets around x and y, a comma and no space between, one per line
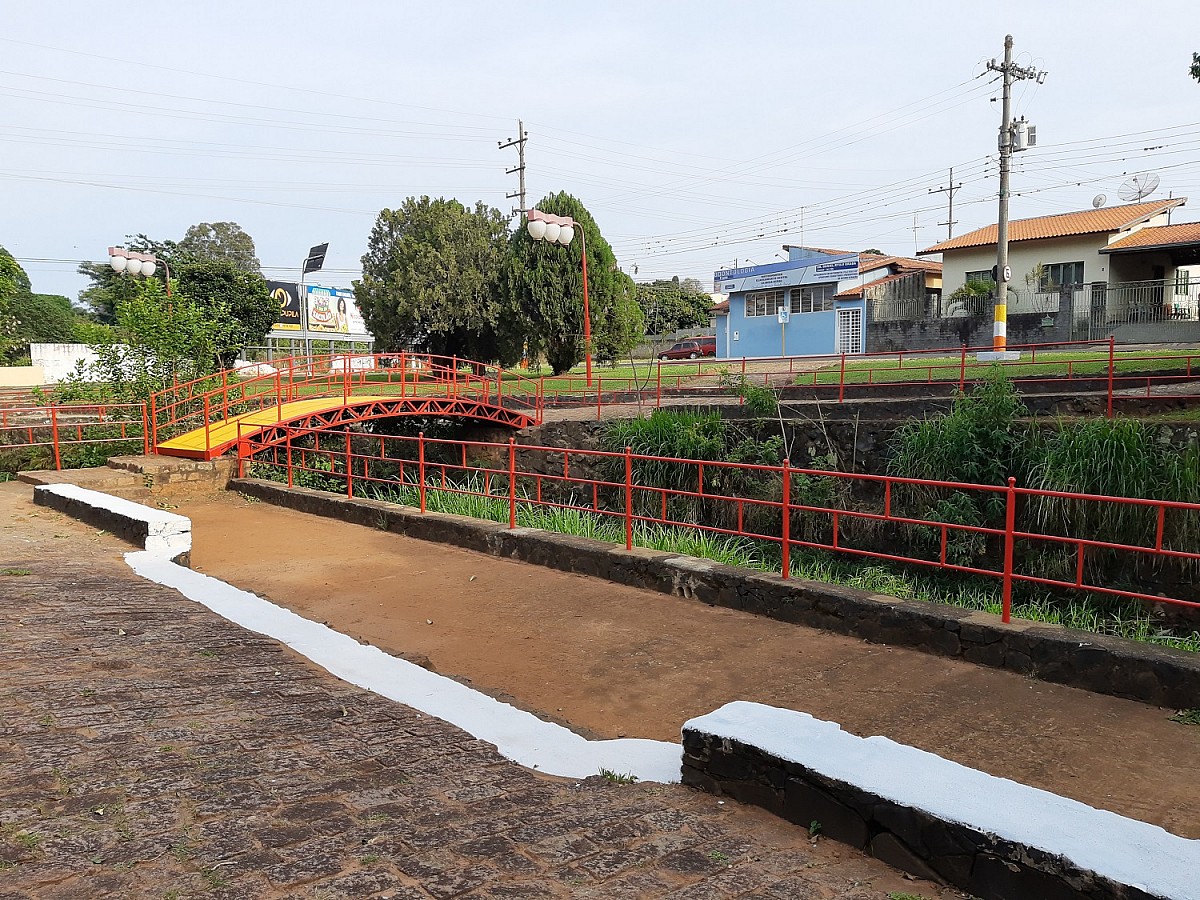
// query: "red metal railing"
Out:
[877,517]
[257,387]
[67,427]
[1110,371]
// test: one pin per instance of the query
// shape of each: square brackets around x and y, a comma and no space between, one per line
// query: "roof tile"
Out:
[1088,221]
[1157,236]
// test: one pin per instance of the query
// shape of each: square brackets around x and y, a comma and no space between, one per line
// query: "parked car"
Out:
[691,349]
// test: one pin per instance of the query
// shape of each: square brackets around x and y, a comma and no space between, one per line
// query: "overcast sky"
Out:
[697,133]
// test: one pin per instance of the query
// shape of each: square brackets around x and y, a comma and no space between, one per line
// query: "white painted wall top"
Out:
[1125,850]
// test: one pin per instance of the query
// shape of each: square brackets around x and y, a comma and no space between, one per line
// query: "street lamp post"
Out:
[123,260]
[561,230]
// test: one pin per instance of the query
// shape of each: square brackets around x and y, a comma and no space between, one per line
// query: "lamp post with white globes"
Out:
[123,260]
[561,230]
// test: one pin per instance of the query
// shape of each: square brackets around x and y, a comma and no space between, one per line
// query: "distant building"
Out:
[812,303]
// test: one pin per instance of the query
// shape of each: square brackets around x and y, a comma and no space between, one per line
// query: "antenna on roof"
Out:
[1099,200]
[1138,187]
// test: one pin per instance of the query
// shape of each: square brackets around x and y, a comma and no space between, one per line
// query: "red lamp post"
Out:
[561,230]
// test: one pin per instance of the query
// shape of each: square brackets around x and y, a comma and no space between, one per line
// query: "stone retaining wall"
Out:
[995,838]
[1106,665]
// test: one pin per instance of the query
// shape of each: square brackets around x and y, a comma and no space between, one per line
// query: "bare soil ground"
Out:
[616,661]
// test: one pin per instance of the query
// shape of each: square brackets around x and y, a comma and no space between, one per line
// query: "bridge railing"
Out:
[256,387]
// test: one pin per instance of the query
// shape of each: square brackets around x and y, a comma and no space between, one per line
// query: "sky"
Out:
[700,135]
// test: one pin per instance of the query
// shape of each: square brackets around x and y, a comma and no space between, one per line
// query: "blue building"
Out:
[791,308]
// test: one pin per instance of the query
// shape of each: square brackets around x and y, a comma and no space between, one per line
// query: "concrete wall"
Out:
[60,360]
[22,376]
[974,331]
[996,838]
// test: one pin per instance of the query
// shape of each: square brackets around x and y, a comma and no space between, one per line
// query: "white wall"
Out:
[59,360]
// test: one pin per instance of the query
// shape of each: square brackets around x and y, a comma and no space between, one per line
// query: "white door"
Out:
[849,330]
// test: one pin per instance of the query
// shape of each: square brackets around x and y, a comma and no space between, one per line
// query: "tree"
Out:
[431,279]
[1195,69]
[26,317]
[670,305]
[225,241]
[155,339]
[237,301]
[108,288]
[543,288]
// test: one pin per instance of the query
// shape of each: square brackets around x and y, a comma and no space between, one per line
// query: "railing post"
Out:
[349,468]
[842,381]
[289,455]
[1112,341]
[499,387]
[421,468]
[628,497]
[512,482]
[54,437]
[786,529]
[345,377]
[962,370]
[278,397]
[241,455]
[207,426]
[154,420]
[145,432]
[1010,521]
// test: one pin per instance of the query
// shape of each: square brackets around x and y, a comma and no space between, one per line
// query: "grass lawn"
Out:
[946,368]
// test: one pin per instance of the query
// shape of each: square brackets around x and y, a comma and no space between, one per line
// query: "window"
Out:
[763,303]
[1182,282]
[1056,275]
[816,298]
[985,276]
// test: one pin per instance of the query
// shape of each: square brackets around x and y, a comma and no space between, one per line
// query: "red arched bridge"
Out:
[202,419]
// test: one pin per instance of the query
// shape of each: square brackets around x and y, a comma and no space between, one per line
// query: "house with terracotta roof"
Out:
[814,302]
[1115,266]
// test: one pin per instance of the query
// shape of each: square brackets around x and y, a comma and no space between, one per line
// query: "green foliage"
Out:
[671,305]
[972,299]
[1194,71]
[759,400]
[1119,458]
[108,288]
[155,340]
[431,277]
[543,291]
[236,301]
[618,777]
[220,242]
[979,441]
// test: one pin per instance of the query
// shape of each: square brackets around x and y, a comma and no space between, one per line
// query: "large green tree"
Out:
[431,278]
[669,305]
[543,287]
[26,317]
[237,301]
[225,241]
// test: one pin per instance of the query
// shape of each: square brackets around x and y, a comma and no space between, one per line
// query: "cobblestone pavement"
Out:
[149,748]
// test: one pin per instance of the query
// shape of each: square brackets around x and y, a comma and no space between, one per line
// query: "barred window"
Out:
[763,303]
[984,276]
[814,298]
[1057,275]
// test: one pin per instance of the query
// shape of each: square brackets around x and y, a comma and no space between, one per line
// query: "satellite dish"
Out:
[1099,200]
[1138,187]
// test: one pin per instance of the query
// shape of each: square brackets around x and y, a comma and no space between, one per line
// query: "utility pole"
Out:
[950,189]
[519,143]
[1007,146]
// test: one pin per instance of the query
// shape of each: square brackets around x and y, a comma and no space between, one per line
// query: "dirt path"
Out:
[613,660]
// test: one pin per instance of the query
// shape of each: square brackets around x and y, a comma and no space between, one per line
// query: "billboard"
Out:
[334,311]
[288,298]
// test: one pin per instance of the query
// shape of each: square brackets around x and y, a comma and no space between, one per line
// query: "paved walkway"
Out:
[152,749]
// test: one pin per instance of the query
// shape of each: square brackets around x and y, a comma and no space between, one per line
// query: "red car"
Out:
[693,349]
